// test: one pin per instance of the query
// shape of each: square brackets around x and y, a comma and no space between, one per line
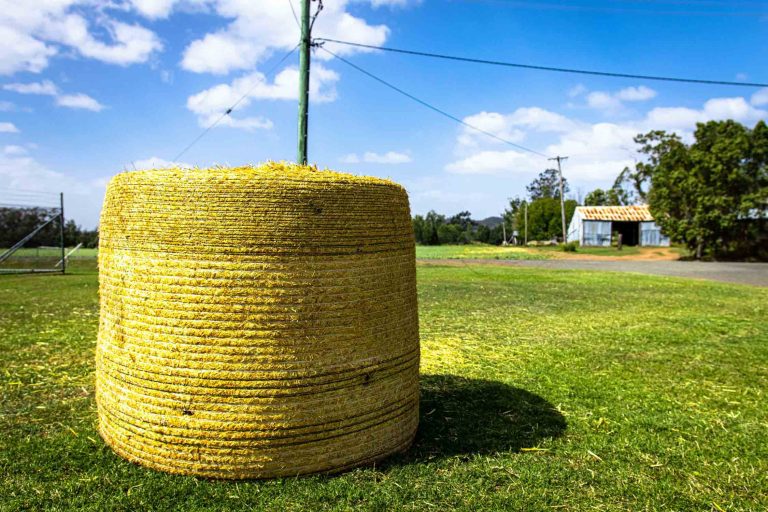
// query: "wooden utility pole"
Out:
[526,223]
[306,42]
[504,229]
[562,194]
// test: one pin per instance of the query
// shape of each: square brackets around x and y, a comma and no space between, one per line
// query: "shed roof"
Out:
[634,213]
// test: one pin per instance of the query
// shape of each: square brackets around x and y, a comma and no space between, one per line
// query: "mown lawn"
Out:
[544,252]
[44,258]
[541,390]
[478,251]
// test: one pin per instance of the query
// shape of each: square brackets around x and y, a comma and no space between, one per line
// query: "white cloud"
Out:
[495,162]
[601,100]
[82,101]
[370,157]
[597,151]
[576,90]
[130,43]
[259,29]
[683,119]
[32,35]
[512,127]
[220,53]
[492,122]
[14,150]
[760,98]
[153,9]
[8,128]
[211,103]
[20,51]
[641,93]
[48,88]
[6,106]
[155,162]
[611,102]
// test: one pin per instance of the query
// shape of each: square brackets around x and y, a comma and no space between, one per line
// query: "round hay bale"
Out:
[256,322]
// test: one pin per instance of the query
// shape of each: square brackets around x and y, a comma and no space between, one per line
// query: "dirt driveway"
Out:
[755,274]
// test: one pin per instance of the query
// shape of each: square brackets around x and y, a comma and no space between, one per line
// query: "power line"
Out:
[680,11]
[431,107]
[546,68]
[290,2]
[317,12]
[234,106]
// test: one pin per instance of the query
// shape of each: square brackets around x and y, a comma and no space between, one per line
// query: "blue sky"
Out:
[91,88]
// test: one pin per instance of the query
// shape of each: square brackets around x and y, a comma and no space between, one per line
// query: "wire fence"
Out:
[31,232]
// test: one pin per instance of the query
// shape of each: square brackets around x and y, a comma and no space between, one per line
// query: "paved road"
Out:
[755,274]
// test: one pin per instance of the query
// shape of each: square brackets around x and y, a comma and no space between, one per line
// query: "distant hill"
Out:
[490,222]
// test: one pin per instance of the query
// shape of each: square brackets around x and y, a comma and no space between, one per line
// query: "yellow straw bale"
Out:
[256,322]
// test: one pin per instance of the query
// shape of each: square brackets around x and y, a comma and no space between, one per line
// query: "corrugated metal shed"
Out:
[634,213]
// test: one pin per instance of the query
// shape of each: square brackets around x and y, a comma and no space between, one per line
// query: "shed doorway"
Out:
[629,231]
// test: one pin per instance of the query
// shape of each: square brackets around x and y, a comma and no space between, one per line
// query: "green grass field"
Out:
[481,251]
[49,252]
[44,258]
[540,391]
[478,251]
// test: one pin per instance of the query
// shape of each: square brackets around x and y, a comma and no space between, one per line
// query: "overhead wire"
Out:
[234,106]
[317,12]
[562,6]
[290,2]
[430,106]
[544,68]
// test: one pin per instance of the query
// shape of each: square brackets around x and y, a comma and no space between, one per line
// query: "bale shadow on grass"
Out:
[463,416]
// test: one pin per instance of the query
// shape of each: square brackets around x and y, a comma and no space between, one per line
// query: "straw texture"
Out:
[257,321]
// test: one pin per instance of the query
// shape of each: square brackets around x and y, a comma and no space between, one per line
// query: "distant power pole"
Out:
[504,229]
[306,42]
[526,223]
[562,194]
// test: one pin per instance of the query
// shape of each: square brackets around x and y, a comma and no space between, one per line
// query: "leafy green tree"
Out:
[419,226]
[510,215]
[71,233]
[544,221]
[712,195]
[632,186]
[608,197]
[547,185]
[463,220]
[483,234]
[496,235]
[449,234]
[17,223]
[433,221]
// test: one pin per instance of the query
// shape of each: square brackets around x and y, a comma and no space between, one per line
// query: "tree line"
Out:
[17,223]
[544,220]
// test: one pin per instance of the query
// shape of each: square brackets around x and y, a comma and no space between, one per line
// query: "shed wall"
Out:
[596,233]
[650,234]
